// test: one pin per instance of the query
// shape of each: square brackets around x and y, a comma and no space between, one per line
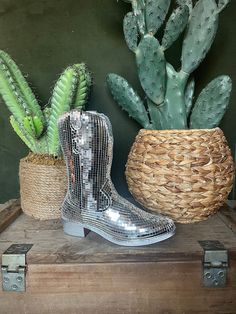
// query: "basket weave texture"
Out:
[42,189]
[185,174]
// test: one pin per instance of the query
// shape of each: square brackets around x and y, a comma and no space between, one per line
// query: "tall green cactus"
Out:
[170,93]
[36,127]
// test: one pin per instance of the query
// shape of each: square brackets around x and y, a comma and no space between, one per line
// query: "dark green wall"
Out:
[45,36]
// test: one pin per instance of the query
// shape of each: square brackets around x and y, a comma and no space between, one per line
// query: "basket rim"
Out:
[30,164]
[181,131]
[25,161]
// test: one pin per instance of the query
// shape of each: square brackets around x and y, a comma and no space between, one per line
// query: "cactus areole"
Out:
[36,127]
[169,93]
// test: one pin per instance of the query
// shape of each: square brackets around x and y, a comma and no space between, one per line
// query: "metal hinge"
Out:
[215,264]
[14,267]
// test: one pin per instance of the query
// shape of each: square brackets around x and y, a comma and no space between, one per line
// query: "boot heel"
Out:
[74,229]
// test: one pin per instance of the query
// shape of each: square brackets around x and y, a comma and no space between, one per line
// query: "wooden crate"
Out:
[71,275]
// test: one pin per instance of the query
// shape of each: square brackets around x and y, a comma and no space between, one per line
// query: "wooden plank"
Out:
[71,275]
[231,203]
[228,216]
[120,288]
[8,203]
[8,213]
[52,246]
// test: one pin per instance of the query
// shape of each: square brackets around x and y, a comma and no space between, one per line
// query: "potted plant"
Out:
[42,173]
[180,163]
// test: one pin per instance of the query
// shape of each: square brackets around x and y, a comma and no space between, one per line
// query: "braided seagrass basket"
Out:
[42,186]
[185,174]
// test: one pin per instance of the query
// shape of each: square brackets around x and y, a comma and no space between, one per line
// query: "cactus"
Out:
[200,34]
[155,13]
[37,128]
[189,3]
[175,26]
[61,101]
[138,11]
[131,31]
[128,99]
[151,68]
[169,93]
[83,88]
[211,103]
[189,92]
[222,4]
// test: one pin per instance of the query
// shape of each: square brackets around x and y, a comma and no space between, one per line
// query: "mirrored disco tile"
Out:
[92,200]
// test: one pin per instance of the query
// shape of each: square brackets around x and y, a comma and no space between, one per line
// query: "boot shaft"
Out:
[87,144]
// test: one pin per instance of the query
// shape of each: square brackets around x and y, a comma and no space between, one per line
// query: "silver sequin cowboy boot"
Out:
[92,203]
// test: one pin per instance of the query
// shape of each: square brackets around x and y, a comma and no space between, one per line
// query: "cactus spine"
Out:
[37,128]
[170,93]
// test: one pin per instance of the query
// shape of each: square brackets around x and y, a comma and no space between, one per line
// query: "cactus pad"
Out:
[151,68]
[156,11]
[200,34]
[175,26]
[138,9]
[130,31]
[211,104]
[128,99]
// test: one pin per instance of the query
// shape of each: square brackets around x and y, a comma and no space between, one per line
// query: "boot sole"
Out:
[79,230]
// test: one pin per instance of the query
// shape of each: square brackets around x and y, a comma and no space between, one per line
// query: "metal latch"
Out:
[215,264]
[14,267]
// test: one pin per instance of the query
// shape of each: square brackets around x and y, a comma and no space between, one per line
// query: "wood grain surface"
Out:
[8,213]
[68,275]
[149,288]
[51,245]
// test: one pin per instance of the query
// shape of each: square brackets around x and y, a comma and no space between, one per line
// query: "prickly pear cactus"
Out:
[155,13]
[131,31]
[170,93]
[211,103]
[189,92]
[151,68]
[175,26]
[36,127]
[200,34]
[128,99]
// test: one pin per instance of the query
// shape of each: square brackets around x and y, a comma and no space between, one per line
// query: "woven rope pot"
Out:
[185,174]
[43,184]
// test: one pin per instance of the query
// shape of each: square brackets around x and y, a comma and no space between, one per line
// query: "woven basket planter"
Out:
[42,189]
[185,174]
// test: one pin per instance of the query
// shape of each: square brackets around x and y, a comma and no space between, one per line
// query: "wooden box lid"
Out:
[52,246]
[72,275]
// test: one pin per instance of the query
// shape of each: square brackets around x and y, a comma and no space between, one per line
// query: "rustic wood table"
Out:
[90,275]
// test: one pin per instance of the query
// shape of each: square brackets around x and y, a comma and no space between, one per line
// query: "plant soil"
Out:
[44,159]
